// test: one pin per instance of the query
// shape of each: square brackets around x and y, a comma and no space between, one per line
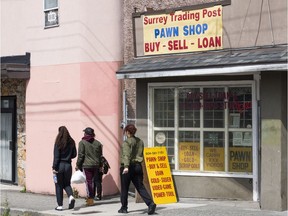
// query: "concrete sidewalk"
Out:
[30,204]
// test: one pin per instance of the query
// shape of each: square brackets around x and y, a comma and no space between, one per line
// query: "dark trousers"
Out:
[91,174]
[98,184]
[135,175]
[63,182]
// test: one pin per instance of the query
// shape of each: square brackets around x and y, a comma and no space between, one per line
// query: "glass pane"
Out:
[214,107]
[50,4]
[189,150]
[214,151]
[164,108]
[6,142]
[7,103]
[166,139]
[240,107]
[189,107]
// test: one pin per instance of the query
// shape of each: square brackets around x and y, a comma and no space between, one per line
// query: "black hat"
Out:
[89,131]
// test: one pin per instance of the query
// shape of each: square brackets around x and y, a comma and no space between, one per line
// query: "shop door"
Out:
[8,128]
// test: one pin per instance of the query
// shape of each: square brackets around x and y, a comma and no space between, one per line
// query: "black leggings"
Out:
[98,183]
[135,175]
[63,182]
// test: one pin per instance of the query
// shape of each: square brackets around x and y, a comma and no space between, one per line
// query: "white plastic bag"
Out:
[78,177]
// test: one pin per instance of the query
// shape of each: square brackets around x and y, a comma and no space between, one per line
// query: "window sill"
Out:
[213,174]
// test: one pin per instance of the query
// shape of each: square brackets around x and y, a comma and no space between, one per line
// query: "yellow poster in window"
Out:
[240,159]
[159,175]
[189,156]
[214,159]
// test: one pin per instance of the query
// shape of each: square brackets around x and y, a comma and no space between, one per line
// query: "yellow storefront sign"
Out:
[240,159]
[214,159]
[183,31]
[159,175]
[189,156]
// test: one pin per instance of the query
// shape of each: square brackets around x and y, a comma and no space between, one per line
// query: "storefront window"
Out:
[164,111]
[213,107]
[213,129]
[214,150]
[164,108]
[167,139]
[240,129]
[189,150]
[189,107]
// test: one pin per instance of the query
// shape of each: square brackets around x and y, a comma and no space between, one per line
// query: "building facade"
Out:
[58,64]
[206,79]
[209,80]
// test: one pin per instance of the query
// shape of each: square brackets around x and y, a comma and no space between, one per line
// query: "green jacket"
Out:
[132,151]
[89,154]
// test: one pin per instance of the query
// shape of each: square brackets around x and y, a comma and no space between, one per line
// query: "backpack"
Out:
[105,165]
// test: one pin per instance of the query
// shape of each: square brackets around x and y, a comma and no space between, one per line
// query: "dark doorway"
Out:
[8,139]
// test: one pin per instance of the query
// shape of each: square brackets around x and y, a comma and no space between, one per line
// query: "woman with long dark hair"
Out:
[64,151]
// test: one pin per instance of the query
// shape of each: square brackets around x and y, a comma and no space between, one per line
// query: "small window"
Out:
[51,13]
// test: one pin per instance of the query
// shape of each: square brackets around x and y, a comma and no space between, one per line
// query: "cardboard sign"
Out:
[189,156]
[214,159]
[240,159]
[159,175]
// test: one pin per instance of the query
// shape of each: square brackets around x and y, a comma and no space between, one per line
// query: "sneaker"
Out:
[59,208]
[71,202]
[151,208]
[96,198]
[123,210]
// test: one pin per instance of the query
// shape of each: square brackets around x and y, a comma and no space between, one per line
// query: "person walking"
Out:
[64,152]
[131,170]
[88,161]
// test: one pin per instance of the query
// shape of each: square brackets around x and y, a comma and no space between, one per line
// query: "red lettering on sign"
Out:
[211,13]
[152,46]
[177,45]
[209,42]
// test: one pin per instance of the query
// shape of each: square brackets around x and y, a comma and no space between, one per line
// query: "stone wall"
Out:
[17,87]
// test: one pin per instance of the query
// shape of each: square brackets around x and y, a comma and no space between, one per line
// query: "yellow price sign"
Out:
[240,159]
[214,159]
[159,175]
[189,156]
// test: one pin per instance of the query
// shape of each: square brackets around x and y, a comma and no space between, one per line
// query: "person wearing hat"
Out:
[88,161]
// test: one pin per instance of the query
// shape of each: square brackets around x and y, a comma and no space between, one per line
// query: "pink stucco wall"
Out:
[77,96]
[100,103]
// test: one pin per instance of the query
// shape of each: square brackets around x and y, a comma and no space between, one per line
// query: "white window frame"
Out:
[253,84]
[45,10]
